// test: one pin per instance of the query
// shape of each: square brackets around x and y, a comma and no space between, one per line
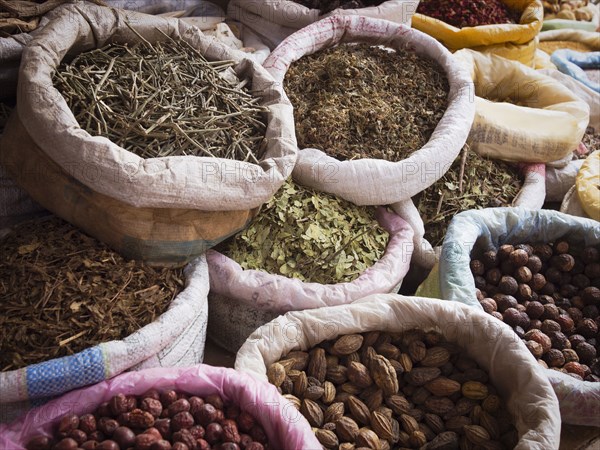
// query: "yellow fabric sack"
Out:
[512,41]
[522,115]
[588,185]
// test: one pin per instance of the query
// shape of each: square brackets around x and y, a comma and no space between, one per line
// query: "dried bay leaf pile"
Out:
[358,101]
[472,182]
[310,235]
[164,99]
[62,291]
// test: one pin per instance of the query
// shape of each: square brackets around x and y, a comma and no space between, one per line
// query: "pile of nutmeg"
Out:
[168,420]
[550,295]
[379,390]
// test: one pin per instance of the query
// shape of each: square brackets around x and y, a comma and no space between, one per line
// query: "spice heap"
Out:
[591,140]
[567,9]
[382,390]
[551,46]
[472,13]
[463,188]
[23,16]
[311,236]
[62,291]
[167,420]
[549,293]
[325,6]
[357,101]
[163,99]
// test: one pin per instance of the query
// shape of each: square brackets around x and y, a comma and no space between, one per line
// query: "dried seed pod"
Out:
[312,411]
[359,410]
[327,438]
[346,429]
[359,375]
[384,375]
[276,374]
[334,412]
[347,344]
[475,390]
[382,425]
[367,438]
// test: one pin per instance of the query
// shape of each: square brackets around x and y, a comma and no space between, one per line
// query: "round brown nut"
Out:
[182,446]
[206,414]
[161,445]
[79,436]
[512,317]
[182,420]
[107,426]
[66,444]
[108,445]
[575,367]
[588,328]
[39,443]
[538,281]
[518,257]
[164,427]
[523,274]
[534,263]
[119,404]
[535,310]
[508,285]
[564,262]
[550,312]
[477,267]
[560,341]
[214,433]
[178,406]
[535,348]
[540,338]
[215,400]
[550,326]
[493,276]
[144,441]
[488,305]
[124,436]
[504,302]
[586,352]
[168,397]
[151,405]
[245,422]
[89,445]
[590,255]
[570,355]
[490,259]
[68,423]
[554,358]
[504,251]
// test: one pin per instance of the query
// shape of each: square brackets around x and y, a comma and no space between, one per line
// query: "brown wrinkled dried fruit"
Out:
[436,357]
[327,438]
[382,425]
[475,390]
[359,410]
[408,423]
[317,365]
[442,386]
[346,429]
[439,405]
[359,374]
[476,434]
[367,438]
[417,350]
[347,344]
[276,374]
[384,375]
[419,376]
[312,412]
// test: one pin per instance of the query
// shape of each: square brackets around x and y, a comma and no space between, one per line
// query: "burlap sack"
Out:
[373,181]
[520,114]
[242,300]
[175,339]
[579,400]
[519,379]
[512,41]
[275,20]
[183,185]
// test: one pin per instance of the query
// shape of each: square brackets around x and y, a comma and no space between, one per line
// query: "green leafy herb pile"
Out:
[311,236]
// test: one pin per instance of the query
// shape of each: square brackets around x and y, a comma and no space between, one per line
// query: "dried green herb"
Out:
[472,182]
[357,101]
[311,236]
[164,99]
[62,291]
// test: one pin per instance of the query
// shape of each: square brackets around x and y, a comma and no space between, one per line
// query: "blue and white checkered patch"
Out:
[65,374]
